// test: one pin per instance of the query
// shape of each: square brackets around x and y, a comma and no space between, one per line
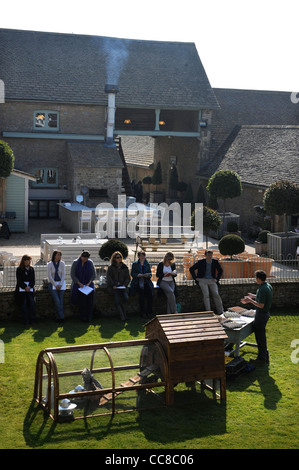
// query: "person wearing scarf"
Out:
[83,274]
[141,282]
[56,276]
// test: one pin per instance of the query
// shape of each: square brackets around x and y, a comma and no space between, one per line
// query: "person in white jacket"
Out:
[56,276]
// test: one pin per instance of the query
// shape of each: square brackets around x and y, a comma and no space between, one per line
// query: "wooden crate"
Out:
[194,347]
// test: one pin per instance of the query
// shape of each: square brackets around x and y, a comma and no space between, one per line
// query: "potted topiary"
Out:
[282,199]
[109,247]
[232,227]
[231,245]
[147,180]
[261,244]
[157,196]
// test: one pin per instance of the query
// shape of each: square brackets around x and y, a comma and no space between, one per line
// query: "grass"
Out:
[261,411]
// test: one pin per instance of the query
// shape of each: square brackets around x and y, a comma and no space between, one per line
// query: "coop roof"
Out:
[187,327]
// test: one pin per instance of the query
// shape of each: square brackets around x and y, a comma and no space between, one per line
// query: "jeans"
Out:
[28,307]
[116,296]
[259,326]
[57,296]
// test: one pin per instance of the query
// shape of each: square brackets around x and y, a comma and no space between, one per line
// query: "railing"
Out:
[234,271]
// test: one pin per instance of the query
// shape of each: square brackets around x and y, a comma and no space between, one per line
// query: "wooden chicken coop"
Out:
[76,382]
[89,380]
[194,346]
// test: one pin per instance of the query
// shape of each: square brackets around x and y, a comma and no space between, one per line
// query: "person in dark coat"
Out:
[141,282]
[166,273]
[118,279]
[83,274]
[25,289]
[207,272]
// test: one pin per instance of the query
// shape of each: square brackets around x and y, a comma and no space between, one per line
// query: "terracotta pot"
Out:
[255,264]
[234,268]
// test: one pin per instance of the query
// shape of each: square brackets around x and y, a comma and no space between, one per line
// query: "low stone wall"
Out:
[189,296]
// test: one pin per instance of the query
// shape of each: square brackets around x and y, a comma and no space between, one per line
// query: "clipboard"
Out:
[23,290]
[85,290]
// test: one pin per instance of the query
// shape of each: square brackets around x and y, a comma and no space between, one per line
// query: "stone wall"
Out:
[189,296]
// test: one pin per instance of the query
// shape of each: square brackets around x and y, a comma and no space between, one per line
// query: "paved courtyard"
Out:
[20,243]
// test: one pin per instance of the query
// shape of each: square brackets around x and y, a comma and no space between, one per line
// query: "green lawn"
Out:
[261,411]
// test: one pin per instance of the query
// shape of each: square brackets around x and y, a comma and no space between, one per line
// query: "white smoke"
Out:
[116,53]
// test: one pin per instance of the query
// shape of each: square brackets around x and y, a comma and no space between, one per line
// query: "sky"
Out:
[242,44]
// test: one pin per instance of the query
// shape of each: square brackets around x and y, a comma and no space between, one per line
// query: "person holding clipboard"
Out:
[82,290]
[56,276]
[118,278]
[25,289]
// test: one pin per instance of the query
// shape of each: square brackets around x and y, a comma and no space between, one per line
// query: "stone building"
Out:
[256,134]
[65,129]
[79,137]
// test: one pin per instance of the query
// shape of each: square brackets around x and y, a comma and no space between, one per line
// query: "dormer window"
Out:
[46,120]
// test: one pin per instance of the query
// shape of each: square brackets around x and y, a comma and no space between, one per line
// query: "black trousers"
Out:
[145,300]
[85,306]
[259,326]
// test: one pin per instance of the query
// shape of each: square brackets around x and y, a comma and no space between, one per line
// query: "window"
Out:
[45,177]
[46,120]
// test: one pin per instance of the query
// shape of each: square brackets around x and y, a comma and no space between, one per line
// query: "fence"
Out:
[234,270]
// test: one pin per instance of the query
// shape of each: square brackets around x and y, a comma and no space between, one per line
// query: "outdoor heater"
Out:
[111,90]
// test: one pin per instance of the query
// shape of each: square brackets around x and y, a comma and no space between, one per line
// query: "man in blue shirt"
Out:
[207,273]
[262,300]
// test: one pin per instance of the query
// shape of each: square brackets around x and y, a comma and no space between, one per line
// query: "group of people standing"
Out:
[121,283]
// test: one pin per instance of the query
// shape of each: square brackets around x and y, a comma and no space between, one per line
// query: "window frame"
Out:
[46,127]
[35,184]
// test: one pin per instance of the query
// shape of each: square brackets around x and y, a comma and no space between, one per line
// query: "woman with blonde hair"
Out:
[25,289]
[166,273]
[118,278]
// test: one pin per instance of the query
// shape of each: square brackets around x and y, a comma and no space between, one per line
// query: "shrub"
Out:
[232,226]
[174,178]
[147,180]
[224,184]
[230,245]
[262,236]
[182,186]
[189,194]
[6,159]
[108,248]
[282,197]
[157,176]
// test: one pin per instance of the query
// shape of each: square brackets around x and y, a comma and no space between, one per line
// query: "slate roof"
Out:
[72,68]
[94,155]
[249,107]
[262,154]
[138,150]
